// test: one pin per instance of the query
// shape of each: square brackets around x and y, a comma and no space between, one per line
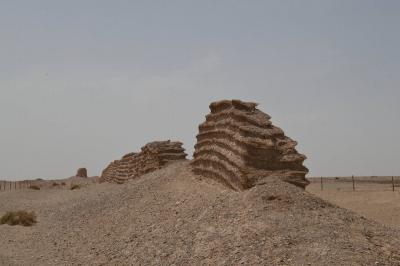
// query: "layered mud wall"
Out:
[238,145]
[82,172]
[152,156]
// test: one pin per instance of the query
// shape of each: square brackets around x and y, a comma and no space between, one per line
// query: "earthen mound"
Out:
[238,145]
[82,172]
[172,217]
[152,156]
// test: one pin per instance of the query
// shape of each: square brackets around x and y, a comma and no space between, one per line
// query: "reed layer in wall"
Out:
[152,156]
[237,144]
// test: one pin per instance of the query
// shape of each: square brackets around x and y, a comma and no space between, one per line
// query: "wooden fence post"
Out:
[393,183]
[354,187]
[322,185]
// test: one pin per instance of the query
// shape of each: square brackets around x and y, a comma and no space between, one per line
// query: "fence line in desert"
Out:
[14,185]
[325,181]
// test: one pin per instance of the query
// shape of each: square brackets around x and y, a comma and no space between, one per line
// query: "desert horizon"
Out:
[246,181]
[199,133]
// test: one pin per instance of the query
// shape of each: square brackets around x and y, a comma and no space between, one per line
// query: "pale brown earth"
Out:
[373,197]
[172,217]
[65,183]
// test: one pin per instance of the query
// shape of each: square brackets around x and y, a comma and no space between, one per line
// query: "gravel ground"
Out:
[373,200]
[172,217]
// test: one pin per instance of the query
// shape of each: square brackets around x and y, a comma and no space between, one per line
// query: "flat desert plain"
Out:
[373,197]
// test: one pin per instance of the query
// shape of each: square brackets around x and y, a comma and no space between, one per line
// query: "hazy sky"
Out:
[84,82]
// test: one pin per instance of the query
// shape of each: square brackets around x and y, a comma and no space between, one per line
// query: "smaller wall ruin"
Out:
[152,156]
[82,172]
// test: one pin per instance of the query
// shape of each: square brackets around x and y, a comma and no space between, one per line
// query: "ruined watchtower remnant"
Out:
[82,172]
[152,156]
[237,145]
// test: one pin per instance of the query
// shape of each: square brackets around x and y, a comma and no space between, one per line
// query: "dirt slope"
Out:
[171,217]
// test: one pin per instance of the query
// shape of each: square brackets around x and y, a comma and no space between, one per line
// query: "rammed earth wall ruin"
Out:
[238,145]
[153,156]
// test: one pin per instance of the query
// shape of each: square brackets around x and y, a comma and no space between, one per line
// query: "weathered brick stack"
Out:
[153,155]
[237,145]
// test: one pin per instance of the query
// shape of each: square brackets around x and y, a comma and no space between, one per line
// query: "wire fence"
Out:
[353,183]
[14,185]
[38,184]
[358,183]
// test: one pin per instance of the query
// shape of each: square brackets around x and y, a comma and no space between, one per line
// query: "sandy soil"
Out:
[373,200]
[172,217]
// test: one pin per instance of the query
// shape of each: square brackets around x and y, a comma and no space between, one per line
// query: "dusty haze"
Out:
[84,83]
